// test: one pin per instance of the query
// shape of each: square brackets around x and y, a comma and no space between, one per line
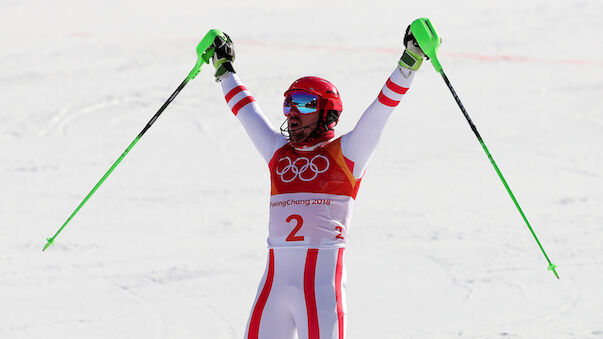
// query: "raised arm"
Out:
[242,104]
[358,145]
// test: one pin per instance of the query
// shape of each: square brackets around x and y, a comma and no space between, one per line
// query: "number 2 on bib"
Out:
[300,221]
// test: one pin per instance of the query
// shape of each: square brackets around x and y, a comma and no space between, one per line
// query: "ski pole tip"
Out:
[49,242]
[553,267]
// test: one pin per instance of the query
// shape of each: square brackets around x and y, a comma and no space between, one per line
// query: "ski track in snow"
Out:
[225,321]
[150,306]
[66,116]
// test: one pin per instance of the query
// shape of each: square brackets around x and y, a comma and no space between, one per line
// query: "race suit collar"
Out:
[313,144]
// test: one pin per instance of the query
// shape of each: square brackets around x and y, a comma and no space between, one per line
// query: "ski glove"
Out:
[223,57]
[413,55]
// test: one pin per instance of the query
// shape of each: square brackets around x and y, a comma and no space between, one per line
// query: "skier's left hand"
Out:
[224,56]
[413,55]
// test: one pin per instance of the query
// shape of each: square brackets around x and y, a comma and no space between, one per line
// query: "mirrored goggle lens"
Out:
[305,102]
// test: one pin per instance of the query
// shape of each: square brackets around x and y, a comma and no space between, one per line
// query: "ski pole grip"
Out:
[205,51]
[428,39]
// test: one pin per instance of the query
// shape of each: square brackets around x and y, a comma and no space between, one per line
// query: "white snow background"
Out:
[173,244]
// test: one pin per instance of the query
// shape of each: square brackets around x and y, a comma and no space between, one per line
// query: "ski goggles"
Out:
[305,102]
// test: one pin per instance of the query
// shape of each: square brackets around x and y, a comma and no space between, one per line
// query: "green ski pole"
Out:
[429,41]
[205,51]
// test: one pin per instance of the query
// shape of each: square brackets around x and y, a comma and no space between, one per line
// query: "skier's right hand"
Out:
[223,57]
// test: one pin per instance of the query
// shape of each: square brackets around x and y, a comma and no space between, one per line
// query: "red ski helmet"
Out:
[328,94]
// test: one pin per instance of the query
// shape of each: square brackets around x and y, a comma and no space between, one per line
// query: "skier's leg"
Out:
[270,317]
[320,310]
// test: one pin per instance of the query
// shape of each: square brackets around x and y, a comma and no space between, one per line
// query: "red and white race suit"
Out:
[311,201]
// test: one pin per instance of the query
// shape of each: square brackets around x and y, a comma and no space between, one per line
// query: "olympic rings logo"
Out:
[306,170]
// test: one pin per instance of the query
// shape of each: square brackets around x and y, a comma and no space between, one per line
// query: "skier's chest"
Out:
[323,170]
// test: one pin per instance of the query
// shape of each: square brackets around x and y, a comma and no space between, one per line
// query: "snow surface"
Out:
[173,244]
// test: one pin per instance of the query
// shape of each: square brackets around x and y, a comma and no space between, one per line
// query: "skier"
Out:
[314,181]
